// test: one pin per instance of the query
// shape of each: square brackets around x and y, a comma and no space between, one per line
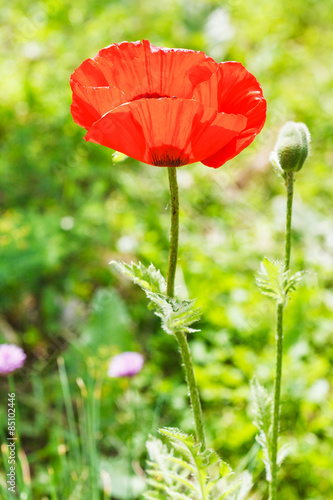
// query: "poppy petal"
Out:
[89,74]
[140,69]
[233,89]
[256,121]
[90,103]
[166,132]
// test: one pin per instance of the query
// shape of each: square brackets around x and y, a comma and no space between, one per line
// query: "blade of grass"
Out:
[74,438]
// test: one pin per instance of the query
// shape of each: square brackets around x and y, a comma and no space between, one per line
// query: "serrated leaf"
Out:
[149,278]
[192,473]
[176,477]
[271,279]
[156,484]
[181,315]
[176,315]
[157,451]
[294,280]
[283,452]
[181,463]
[165,472]
[274,282]
[263,404]
[239,488]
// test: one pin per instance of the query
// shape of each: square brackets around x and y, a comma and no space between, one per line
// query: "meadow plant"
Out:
[276,281]
[170,108]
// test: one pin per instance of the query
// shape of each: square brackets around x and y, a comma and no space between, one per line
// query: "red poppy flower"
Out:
[167,107]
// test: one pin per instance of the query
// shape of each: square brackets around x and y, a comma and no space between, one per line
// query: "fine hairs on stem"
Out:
[180,335]
[174,231]
[289,178]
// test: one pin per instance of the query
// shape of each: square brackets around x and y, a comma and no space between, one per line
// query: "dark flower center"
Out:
[167,156]
[147,95]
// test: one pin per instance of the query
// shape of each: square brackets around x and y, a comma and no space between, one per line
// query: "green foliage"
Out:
[274,282]
[176,315]
[262,408]
[263,405]
[148,278]
[185,472]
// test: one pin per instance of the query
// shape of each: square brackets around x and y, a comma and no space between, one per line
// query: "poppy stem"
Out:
[174,231]
[192,387]
[279,343]
[179,334]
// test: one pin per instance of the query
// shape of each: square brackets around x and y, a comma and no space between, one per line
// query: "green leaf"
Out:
[283,452]
[274,282]
[149,278]
[158,452]
[239,488]
[271,280]
[294,280]
[263,405]
[186,471]
[176,315]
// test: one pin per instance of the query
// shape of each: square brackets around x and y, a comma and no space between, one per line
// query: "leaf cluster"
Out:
[176,315]
[262,408]
[275,282]
[182,471]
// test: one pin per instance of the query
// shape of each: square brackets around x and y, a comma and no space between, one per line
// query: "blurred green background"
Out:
[67,210]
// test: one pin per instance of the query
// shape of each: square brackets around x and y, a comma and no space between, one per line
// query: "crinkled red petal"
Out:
[90,103]
[233,89]
[138,69]
[166,132]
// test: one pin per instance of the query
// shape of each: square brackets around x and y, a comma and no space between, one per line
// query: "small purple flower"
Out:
[126,364]
[12,357]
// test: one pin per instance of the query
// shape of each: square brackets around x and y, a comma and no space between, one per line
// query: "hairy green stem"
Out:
[290,195]
[277,393]
[174,231]
[180,335]
[192,385]
[279,343]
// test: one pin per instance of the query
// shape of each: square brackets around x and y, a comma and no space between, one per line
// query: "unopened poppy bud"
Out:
[292,146]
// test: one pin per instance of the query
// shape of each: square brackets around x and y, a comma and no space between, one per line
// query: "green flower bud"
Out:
[292,147]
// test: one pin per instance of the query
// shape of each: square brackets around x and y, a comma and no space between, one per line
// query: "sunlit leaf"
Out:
[176,315]
[263,405]
[186,471]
